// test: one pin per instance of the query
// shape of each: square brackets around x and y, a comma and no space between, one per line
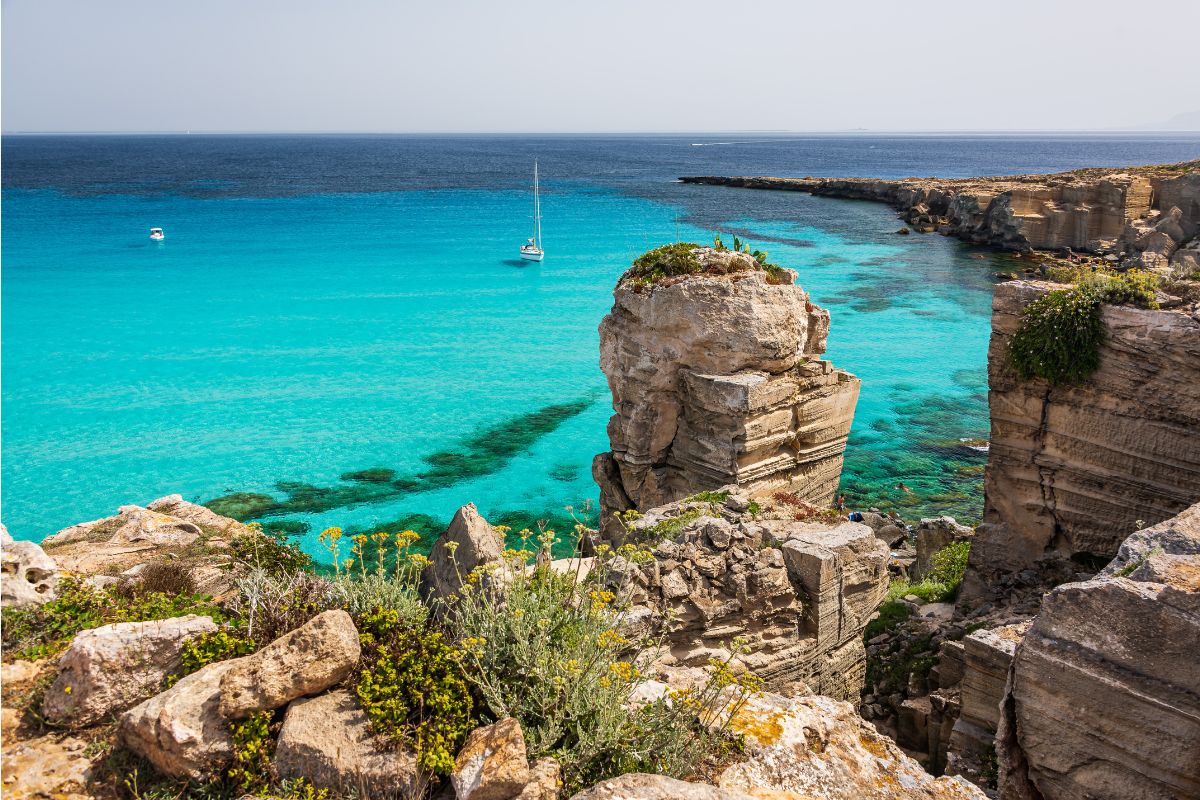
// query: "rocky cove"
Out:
[724,623]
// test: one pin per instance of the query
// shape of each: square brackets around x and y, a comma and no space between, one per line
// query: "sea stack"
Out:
[714,363]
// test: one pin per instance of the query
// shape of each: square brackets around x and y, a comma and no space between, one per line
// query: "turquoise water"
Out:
[277,341]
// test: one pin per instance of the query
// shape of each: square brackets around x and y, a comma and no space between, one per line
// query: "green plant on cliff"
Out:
[1060,333]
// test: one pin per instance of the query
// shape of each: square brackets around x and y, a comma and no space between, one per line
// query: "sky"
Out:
[595,66]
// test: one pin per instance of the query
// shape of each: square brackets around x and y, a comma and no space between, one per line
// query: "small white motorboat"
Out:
[532,249]
[157,235]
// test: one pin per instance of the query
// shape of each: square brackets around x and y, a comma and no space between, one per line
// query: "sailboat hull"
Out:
[532,256]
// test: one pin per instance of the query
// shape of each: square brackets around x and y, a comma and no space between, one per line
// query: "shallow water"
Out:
[328,305]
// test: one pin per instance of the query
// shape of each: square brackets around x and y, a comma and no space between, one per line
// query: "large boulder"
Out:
[1103,696]
[469,542]
[181,731]
[327,741]
[207,520]
[819,747]
[492,764]
[29,576]
[310,659]
[109,669]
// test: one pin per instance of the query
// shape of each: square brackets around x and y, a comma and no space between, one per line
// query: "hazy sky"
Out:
[595,65]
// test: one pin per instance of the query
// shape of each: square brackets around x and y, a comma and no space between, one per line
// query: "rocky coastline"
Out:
[726,632]
[1138,216]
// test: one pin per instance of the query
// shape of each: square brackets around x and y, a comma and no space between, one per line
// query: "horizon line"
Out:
[754,133]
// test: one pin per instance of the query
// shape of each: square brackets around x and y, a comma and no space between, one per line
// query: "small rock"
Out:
[492,765]
[310,659]
[545,781]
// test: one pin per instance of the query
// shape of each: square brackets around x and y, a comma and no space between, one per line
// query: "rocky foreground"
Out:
[725,635]
[1138,216]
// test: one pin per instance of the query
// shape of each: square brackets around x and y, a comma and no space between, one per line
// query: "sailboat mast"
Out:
[537,209]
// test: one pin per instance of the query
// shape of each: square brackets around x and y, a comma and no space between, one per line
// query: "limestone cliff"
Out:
[1073,469]
[716,378]
[796,592]
[1103,696]
[1141,213]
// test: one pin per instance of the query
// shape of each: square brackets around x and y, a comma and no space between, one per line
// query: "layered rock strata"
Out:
[797,594]
[1073,470]
[1125,212]
[717,379]
[1103,696]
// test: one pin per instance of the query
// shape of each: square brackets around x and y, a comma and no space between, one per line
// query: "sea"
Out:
[337,329]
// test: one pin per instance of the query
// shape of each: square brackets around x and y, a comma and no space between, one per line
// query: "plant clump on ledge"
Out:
[664,265]
[1060,333]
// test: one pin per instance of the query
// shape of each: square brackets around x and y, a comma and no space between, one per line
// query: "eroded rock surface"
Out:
[29,576]
[1103,697]
[467,543]
[492,764]
[108,669]
[819,747]
[1073,469]
[799,593]
[310,659]
[717,379]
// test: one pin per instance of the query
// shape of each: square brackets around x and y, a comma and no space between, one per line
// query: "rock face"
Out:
[492,764]
[135,534]
[181,731]
[109,669]
[819,747]
[639,786]
[987,656]
[799,593]
[1098,210]
[1103,696]
[1072,469]
[310,659]
[472,542]
[30,577]
[327,741]
[717,379]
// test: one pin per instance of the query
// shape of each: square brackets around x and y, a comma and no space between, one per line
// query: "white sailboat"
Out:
[532,249]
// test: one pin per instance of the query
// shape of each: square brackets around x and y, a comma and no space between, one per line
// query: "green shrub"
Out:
[1058,338]
[667,261]
[252,746]
[412,688]
[40,631]
[1060,333]
[209,648]
[950,564]
[546,649]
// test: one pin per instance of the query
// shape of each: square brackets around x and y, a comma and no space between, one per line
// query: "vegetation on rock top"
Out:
[1060,333]
[681,259]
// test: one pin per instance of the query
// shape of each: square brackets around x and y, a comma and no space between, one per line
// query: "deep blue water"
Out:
[328,304]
